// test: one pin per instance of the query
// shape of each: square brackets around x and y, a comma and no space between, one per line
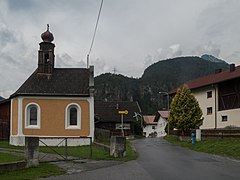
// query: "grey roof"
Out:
[1,98]
[62,82]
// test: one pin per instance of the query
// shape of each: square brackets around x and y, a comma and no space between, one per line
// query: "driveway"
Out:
[160,160]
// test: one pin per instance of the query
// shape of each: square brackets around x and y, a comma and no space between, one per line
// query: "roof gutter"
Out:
[50,95]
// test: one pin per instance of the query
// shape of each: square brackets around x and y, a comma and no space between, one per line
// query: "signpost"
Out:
[122,113]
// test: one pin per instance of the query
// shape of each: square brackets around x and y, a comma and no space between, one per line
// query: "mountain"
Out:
[211,58]
[164,76]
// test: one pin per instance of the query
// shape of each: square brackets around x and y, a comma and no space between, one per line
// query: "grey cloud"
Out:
[7,59]
[65,60]
[220,19]
[170,52]
[207,48]
[148,60]
[100,66]
[235,56]
[6,36]
[162,54]
[22,4]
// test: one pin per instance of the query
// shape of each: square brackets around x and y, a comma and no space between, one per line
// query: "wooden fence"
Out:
[102,134]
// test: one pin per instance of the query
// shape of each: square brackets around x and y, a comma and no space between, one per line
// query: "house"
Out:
[219,97]
[53,103]
[107,116]
[1,98]
[161,118]
[5,119]
[150,126]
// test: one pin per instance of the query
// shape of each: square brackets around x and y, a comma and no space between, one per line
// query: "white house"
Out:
[161,118]
[150,127]
[219,97]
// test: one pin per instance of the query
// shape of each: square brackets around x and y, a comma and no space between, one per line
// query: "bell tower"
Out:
[46,53]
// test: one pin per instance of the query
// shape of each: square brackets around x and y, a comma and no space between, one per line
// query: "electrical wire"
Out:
[94,34]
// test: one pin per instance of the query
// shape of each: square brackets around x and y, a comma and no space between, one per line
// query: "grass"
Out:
[97,153]
[47,169]
[5,144]
[42,171]
[81,151]
[4,158]
[224,147]
[78,151]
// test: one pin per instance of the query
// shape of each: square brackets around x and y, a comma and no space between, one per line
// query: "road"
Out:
[160,160]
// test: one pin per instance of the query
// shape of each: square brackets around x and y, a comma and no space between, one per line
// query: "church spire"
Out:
[46,53]
[47,36]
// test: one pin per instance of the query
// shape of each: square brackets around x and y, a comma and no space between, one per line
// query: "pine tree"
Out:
[185,113]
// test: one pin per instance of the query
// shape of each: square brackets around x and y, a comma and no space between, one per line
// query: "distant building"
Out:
[107,116]
[219,97]
[150,126]
[1,98]
[161,118]
[53,102]
[5,105]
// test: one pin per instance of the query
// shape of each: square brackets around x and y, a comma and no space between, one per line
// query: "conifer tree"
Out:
[185,113]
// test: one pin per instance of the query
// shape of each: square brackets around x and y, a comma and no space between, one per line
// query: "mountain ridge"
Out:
[164,75]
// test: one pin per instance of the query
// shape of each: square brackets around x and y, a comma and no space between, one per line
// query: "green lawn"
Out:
[42,171]
[46,169]
[81,151]
[225,147]
[97,153]
[5,144]
[4,157]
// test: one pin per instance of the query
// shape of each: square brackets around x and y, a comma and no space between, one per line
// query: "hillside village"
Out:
[119,90]
[64,107]
[213,82]
[70,108]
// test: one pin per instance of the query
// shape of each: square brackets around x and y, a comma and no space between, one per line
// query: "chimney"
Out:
[218,71]
[232,67]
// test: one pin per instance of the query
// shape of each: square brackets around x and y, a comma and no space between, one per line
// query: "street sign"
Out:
[123,112]
[125,126]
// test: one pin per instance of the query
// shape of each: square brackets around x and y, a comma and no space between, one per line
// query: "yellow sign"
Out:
[123,112]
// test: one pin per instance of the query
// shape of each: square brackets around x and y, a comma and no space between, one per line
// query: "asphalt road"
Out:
[160,160]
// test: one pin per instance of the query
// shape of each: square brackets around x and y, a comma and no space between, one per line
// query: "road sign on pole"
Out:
[122,113]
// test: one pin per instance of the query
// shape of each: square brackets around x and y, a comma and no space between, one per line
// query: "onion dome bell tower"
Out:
[46,53]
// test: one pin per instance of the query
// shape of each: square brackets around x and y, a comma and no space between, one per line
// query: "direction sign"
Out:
[123,112]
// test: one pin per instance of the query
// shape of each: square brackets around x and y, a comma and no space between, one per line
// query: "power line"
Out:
[94,34]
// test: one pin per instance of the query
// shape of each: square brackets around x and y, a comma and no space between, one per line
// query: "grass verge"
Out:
[6,158]
[224,147]
[42,171]
[81,151]
[97,153]
[5,144]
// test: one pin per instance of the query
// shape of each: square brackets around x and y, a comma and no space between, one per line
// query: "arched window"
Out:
[32,116]
[73,116]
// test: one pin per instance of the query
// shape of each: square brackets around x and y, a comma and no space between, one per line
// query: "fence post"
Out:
[32,151]
[66,153]
[198,134]
[118,146]
[90,147]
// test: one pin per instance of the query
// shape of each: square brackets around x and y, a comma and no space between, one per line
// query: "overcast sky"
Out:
[132,34]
